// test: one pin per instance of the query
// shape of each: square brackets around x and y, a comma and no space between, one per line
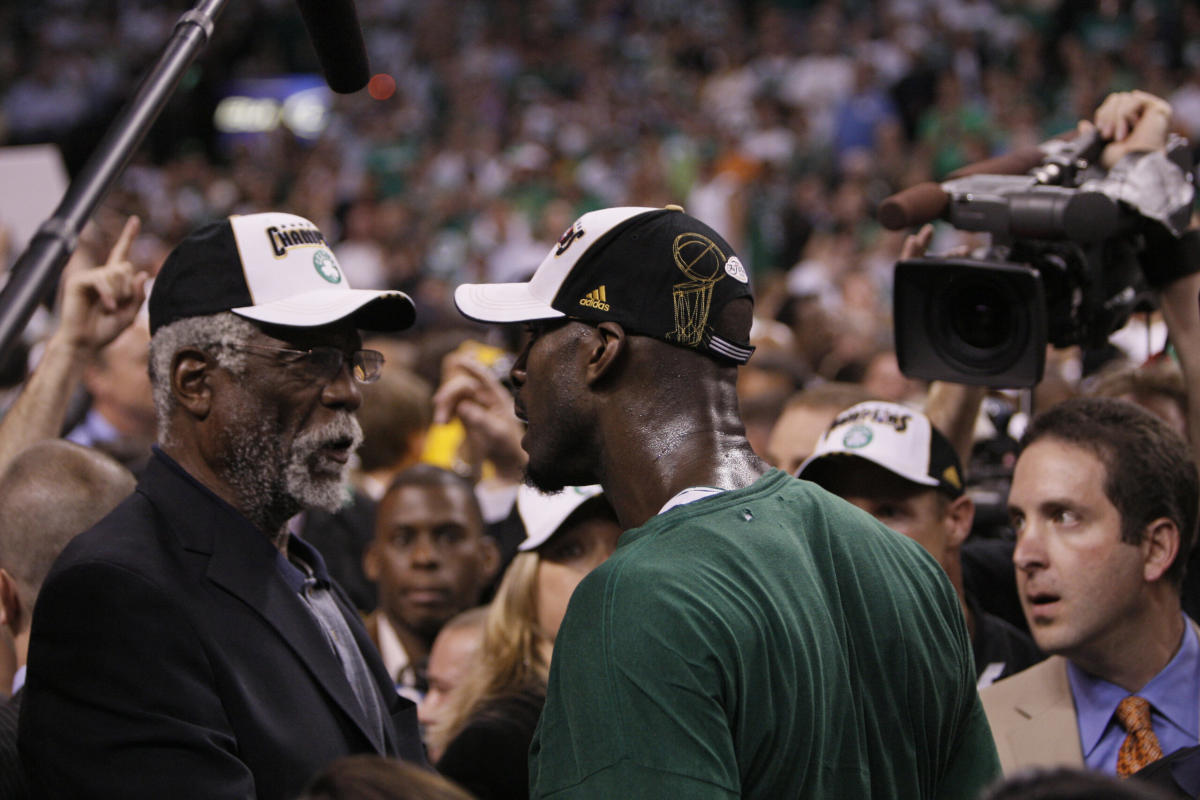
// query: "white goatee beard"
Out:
[310,477]
[275,485]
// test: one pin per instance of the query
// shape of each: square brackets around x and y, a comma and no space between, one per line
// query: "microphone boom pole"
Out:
[55,240]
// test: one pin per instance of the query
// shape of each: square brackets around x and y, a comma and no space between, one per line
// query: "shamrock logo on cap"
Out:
[856,437]
[326,267]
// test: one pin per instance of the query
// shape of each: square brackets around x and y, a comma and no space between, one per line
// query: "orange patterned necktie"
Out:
[1141,745]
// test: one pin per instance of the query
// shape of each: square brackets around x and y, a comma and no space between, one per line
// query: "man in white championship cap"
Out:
[188,645]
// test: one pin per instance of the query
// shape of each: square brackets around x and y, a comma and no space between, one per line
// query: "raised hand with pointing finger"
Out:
[96,304]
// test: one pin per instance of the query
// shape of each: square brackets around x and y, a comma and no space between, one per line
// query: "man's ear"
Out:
[370,561]
[960,513]
[605,351]
[490,556]
[12,612]
[191,381]
[1160,548]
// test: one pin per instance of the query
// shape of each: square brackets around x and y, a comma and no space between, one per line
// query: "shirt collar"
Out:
[1174,693]
[395,657]
[690,495]
[97,428]
[297,547]
[178,469]
[19,679]
[300,550]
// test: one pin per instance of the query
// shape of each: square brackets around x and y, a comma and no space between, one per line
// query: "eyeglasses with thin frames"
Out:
[323,363]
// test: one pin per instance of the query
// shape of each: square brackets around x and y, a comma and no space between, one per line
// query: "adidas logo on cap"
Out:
[597,299]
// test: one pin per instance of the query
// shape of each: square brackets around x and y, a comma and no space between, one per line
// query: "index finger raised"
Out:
[120,250]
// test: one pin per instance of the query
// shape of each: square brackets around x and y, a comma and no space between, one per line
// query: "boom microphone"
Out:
[926,201]
[336,36]
[913,206]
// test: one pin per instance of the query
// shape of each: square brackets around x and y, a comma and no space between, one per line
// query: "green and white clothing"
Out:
[768,642]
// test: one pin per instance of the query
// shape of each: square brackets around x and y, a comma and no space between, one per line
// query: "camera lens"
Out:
[980,322]
[978,315]
[970,321]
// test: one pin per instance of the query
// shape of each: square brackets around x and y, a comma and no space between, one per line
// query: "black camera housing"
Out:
[974,322]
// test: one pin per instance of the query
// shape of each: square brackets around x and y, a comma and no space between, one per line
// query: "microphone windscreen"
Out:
[336,36]
[916,205]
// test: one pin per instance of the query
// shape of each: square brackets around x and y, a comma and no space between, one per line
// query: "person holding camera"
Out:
[1104,503]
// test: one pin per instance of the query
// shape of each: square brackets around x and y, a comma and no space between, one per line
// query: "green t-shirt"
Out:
[770,642]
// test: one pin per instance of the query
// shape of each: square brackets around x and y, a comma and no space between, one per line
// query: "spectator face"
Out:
[919,512]
[795,435]
[430,556]
[120,382]
[563,561]
[281,434]
[1080,585]
[454,649]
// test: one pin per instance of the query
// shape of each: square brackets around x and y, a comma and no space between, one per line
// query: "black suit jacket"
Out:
[169,658]
[12,778]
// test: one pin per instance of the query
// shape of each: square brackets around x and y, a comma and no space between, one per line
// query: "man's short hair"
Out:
[219,333]
[431,476]
[1149,472]
[51,492]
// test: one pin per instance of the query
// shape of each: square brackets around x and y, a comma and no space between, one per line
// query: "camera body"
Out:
[1064,268]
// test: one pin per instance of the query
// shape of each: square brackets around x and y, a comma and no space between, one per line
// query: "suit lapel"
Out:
[254,578]
[1045,730]
[242,561]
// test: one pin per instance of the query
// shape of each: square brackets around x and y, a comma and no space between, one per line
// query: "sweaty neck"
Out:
[642,476]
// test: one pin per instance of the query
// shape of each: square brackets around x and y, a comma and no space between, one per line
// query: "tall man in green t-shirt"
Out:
[752,636]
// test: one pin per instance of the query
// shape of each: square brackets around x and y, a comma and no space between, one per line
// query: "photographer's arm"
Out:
[1180,303]
[1140,122]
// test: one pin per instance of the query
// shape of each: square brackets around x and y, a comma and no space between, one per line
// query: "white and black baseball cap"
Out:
[275,268]
[895,437]
[543,514]
[659,272]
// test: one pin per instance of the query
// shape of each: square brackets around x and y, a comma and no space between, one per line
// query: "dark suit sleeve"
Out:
[124,710]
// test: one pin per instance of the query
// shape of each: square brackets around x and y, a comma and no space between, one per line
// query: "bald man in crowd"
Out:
[51,492]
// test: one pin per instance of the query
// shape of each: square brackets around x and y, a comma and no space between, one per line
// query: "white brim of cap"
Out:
[543,514]
[502,302]
[393,310]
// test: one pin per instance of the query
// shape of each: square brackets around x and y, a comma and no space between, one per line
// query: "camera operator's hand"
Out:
[1134,122]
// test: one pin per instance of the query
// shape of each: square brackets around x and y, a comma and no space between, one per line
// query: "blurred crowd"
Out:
[783,124]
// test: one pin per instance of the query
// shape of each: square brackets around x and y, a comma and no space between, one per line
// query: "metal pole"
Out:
[55,240]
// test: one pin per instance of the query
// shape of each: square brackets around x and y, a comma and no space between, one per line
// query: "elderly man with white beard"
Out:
[188,645]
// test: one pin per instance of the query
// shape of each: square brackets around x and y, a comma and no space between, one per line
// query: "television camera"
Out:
[1073,252]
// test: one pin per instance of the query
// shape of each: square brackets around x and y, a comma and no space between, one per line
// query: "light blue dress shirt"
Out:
[1174,696]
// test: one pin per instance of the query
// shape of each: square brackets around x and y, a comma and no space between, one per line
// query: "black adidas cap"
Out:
[657,271]
[271,267]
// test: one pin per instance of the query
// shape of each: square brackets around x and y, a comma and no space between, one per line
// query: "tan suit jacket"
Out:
[1032,715]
